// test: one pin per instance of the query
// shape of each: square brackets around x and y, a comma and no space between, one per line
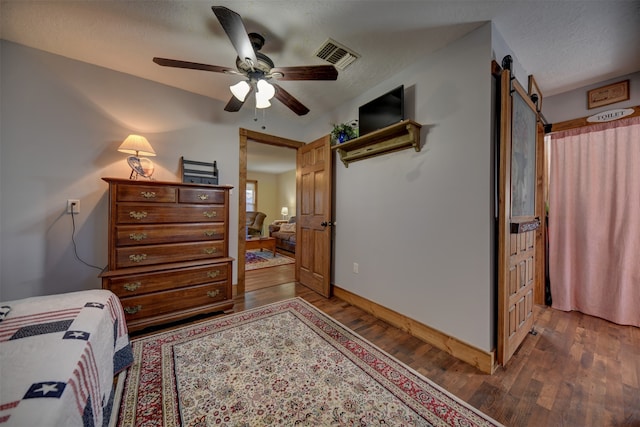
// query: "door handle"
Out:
[326,224]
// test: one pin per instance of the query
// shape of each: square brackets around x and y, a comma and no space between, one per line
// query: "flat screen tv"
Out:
[383,111]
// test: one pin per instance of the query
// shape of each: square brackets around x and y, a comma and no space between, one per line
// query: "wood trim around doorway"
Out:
[246,135]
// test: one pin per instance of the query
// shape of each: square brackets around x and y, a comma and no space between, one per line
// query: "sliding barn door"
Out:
[517,220]
[313,246]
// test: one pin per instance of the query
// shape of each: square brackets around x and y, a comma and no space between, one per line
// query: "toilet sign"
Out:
[607,116]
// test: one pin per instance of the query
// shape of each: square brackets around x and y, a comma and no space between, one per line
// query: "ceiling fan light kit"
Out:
[262,102]
[240,90]
[264,92]
[256,67]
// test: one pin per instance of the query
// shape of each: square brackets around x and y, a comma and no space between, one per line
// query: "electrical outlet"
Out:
[73,206]
[355,267]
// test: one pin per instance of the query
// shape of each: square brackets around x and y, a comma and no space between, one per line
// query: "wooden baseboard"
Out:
[481,359]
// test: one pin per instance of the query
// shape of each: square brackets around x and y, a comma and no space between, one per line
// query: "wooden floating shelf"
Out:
[402,135]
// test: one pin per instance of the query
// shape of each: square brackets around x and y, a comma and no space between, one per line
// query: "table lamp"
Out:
[138,145]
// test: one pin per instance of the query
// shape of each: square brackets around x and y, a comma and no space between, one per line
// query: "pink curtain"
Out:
[594,221]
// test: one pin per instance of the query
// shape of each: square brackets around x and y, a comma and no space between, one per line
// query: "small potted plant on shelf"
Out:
[343,132]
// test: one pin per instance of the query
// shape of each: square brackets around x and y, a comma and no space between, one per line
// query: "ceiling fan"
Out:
[257,67]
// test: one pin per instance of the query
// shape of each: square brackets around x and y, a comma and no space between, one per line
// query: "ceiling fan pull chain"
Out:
[264,122]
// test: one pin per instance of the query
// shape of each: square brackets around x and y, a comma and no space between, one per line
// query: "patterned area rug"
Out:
[261,259]
[286,363]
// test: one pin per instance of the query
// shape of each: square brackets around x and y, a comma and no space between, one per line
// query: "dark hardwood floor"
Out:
[577,371]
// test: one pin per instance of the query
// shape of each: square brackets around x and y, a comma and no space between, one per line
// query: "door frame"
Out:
[263,138]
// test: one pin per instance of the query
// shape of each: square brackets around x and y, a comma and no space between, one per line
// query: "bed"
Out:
[59,355]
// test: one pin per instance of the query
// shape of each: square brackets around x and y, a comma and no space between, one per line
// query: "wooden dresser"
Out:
[168,250]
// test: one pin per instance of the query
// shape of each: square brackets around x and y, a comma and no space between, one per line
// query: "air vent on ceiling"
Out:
[336,54]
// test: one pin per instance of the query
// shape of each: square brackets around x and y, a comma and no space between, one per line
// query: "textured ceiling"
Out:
[564,44]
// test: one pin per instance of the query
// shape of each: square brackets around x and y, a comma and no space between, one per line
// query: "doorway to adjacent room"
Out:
[265,160]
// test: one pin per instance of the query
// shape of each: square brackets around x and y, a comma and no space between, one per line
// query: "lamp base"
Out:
[140,166]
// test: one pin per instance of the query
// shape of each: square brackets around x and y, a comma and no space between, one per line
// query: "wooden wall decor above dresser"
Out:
[168,250]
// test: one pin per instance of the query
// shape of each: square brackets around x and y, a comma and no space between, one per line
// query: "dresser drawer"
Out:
[139,284]
[199,195]
[148,214]
[142,306]
[137,256]
[149,193]
[131,235]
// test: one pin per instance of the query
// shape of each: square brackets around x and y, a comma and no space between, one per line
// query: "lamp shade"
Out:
[266,90]
[137,145]
[264,93]
[240,90]
[262,102]
[284,211]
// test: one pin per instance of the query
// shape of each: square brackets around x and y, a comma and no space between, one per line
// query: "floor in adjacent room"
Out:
[270,276]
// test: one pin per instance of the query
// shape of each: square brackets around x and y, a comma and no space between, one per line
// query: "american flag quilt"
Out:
[58,358]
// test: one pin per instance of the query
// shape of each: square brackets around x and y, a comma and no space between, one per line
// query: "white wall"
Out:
[419,224]
[62,122]
[500,49]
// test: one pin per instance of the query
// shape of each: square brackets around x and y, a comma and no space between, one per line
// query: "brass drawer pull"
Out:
[210,251]
[132,310]
[213,274]
[209,214]
[213,294]
[137,236]
[137,257]
[203,196]
[148,194]
[137,215]
[132,286]
[209,233]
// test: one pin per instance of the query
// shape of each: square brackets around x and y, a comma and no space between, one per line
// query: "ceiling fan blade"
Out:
[234,27]
[288,100]
[235,104]
[311,72]
[193,65]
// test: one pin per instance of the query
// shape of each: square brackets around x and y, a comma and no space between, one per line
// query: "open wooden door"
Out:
[518,216]
[313,246]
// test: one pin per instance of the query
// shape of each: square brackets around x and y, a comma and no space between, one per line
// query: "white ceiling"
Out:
[564,44]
